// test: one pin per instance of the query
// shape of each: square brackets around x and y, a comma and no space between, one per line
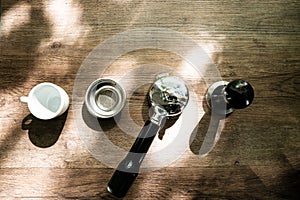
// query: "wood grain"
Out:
[258,154]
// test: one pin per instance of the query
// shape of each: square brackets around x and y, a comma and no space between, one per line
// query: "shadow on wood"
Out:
[207,133]
[21,58]
[44,133]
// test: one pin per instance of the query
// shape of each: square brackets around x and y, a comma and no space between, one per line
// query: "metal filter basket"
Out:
[105,98]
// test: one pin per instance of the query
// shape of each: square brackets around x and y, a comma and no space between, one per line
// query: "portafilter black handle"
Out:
[128,169]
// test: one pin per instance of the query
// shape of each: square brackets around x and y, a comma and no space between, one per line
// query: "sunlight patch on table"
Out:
[65,20]
[14,18]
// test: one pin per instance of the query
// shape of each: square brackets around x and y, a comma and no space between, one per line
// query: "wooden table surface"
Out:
[258,153]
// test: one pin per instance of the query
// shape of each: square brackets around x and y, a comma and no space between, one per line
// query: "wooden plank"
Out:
[185,183]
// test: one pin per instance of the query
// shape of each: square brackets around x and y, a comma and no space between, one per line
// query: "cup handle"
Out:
[24,99]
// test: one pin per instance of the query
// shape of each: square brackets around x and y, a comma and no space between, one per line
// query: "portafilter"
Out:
[168,97]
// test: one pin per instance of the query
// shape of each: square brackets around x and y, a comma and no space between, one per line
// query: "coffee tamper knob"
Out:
[239,94]
[224,97]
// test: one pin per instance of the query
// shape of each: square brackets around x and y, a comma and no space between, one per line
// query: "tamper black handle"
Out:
[239,94]
[128,169]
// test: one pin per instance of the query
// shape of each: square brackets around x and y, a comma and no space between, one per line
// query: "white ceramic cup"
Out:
[47,101]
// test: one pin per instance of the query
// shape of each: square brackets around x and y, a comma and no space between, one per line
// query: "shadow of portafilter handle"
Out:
[206,134]
[44,133]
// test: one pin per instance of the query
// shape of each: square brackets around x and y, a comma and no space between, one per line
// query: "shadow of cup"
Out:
[44,133]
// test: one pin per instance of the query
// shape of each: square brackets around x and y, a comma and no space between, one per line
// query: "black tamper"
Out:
[224,97]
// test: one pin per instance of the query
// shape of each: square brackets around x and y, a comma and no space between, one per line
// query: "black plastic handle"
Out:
[128,169]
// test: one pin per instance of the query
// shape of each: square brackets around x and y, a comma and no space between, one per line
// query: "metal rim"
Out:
[96,92]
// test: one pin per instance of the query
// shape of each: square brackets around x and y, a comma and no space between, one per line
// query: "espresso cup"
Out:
[46,101]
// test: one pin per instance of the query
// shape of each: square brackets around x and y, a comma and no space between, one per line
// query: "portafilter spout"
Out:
[168,97]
